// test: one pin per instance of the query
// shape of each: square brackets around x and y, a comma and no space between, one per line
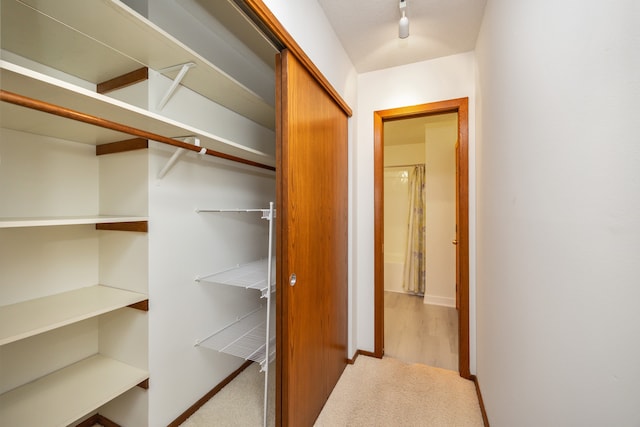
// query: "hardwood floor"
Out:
[415,332]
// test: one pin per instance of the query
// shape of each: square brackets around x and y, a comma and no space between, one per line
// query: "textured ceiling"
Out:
[368,29]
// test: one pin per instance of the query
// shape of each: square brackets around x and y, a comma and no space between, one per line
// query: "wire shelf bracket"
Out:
[268,214]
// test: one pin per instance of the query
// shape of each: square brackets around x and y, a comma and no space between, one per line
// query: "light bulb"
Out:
[403,27]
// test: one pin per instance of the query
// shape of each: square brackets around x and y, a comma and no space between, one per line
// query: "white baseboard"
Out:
[443,301]
[398,291]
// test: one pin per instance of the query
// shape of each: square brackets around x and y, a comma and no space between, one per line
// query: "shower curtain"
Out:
[415,260]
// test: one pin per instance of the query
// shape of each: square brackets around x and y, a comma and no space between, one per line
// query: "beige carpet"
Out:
[387,392]
[372,392]
[239,404]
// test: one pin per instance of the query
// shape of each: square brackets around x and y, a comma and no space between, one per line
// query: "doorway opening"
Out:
[421,321]
[460,238]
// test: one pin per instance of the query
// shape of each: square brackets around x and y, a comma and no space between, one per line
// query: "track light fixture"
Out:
[403,25]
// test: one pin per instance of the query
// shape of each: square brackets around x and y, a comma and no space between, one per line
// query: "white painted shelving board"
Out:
[63,48]
[63,396]
[32,84]
[32,317]
[95,25]
[65,220]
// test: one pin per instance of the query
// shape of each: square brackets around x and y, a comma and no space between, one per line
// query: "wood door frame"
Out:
[460,106]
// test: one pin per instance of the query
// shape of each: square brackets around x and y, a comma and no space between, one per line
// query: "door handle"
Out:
[455,242]
[292,279]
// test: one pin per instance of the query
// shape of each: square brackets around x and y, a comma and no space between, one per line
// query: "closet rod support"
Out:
[184,68]
[178,153]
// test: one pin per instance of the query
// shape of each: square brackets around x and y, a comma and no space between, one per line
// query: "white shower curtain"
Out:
[415,256]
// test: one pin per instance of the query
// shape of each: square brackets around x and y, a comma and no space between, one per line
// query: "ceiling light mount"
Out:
[403,25]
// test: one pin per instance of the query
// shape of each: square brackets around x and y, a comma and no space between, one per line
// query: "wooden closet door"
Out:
[312,243]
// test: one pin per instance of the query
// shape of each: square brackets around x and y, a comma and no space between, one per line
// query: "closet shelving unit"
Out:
[63,395]
[104,54]
[66,394]
[78,39]
[249,336]
[69,393]
[62,110]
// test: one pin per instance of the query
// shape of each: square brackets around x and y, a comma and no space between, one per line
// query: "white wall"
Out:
[441,134]
[306,22]
[558,230]
[429,81]
[404,154]
[184,244]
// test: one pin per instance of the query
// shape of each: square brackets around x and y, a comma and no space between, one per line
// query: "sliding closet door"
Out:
[312,243]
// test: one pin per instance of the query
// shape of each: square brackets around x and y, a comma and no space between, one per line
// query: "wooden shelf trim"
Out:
[68,113]
[128,222]
[139,226]
[92,382]
[122,146]
[98,419]
[142,305]
[128,79]
[28,318]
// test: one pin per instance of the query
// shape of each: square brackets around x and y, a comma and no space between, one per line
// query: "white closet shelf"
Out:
[18,222]
[35,85]
[64,396]
[249,276]
[245,338]
[102,53]
[24,319]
